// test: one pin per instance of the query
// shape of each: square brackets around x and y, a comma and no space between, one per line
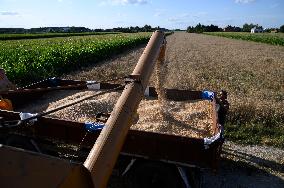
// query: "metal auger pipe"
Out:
[105,151]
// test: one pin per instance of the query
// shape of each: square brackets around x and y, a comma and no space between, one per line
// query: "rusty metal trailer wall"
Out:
[180,150]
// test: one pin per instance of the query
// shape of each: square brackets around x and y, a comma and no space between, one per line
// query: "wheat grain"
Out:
[181,118]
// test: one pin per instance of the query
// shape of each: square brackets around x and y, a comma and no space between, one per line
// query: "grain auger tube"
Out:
[105,151]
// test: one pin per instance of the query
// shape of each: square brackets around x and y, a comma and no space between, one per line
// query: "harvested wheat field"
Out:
[253,75]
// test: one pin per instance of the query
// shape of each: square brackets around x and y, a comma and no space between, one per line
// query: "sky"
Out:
[178,14]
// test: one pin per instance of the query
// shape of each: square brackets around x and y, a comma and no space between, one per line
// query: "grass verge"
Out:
[255,134]
[269,38]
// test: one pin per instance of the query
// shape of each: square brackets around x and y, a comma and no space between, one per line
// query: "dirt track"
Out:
[207,62]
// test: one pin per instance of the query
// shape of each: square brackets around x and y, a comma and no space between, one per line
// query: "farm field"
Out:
[48,35]
[269,38]
[252,73]
[26,61]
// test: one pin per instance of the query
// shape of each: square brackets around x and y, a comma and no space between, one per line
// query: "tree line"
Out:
[145,28]
[131,29]
[199,28]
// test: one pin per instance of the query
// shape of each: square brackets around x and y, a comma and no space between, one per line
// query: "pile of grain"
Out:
[179,118]
[86,110]
[192,119]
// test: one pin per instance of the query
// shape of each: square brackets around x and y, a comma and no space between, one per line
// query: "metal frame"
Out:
[163,147]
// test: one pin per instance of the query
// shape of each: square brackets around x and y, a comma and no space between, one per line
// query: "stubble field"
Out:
[252,73]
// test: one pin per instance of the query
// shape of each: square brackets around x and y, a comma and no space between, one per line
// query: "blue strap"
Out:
[208,95]
[93,126]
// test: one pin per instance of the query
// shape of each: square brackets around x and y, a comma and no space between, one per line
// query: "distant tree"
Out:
[230,28]
[190,29]
[137,29]
[12,30]
[147,28]
[131,29]
[258,26]
[267,30]
[281,29]
[199,28]
[98,30]
[248,27]
[211,28]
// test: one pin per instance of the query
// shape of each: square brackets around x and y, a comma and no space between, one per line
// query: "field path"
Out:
[206,62]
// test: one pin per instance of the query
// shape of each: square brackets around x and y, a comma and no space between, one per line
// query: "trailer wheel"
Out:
[153,175]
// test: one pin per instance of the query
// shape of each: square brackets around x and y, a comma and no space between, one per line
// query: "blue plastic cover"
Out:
[94,126]
[208,95]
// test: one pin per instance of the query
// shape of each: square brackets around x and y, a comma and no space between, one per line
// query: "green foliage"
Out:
[199,28]
[255,134]
[27,61]
[48,35]
[203,28]
[269,38]
[248,27]
[282,28]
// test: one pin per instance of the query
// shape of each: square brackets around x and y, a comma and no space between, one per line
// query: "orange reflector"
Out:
[6,104]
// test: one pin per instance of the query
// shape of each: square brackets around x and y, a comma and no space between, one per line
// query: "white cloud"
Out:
[159,12]
[134,1]
[244,1]
[8,13]
[179,19]
[220,22]
[121,14]
[187,17]
[123,2]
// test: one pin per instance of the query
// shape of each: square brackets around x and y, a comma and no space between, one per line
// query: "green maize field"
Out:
[26,61]
[48,35]
[269,38]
